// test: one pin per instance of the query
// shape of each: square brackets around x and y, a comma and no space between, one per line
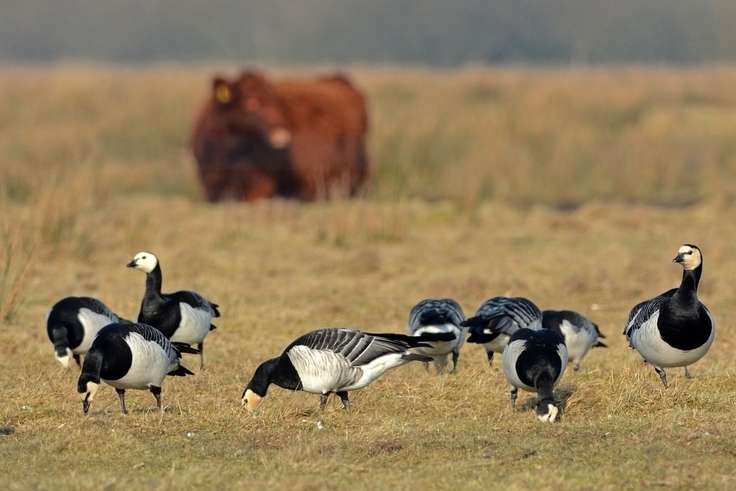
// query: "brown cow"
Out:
[257,139]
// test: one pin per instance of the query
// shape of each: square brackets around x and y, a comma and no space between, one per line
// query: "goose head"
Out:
[145,261]
[64,357]
[87,390]
[689,257]
[251,400]
[548,413]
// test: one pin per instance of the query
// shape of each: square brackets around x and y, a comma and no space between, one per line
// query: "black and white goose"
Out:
[130,356]
[498,318]
[72,323]
[534,360]
[580,333]
[439,316]
[673,329]
[332,360]
[182,316]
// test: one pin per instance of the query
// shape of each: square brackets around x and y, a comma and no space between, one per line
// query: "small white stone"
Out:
[320,425]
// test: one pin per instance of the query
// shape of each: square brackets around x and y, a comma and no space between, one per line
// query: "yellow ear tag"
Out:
[222,93]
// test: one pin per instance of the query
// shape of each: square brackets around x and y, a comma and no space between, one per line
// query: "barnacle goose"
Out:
[72,323]
[130,356]
[439,316]
[580,333]
[534,360]
[333,360]
[498,318]
[673,329]
[182,316]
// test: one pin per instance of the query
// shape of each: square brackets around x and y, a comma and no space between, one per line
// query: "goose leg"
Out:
[662,376]
[121,395]
[344,398]
[514,392]
[156,391]
[323,401]
[200,347]
[79,363]
[455,356]
[577,366]
[687,373]
[490,357]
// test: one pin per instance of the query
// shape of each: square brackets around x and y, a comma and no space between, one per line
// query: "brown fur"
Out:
[258,139]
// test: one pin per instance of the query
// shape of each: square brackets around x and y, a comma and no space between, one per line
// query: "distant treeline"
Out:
[433,32]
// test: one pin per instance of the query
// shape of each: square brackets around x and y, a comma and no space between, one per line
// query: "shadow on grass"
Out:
[562,394]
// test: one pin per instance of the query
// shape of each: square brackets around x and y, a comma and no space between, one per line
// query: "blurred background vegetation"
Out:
[426,32]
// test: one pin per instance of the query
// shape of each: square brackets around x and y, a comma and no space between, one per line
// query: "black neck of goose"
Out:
[154,279]
[687,292]
[262,377]
[90,369]
[545,396]
[691,278]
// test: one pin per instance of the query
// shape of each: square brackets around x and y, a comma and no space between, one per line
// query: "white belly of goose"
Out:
[92,322]
[194,326]
[440,348]
[149,365]
[649,343]
[578,343]
[498,344]
[322,372]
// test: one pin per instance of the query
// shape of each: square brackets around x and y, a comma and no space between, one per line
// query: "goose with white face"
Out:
[673,329]
[145,261]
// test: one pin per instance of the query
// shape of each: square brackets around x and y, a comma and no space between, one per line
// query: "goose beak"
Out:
[85,406]
[679,258]
[131,264]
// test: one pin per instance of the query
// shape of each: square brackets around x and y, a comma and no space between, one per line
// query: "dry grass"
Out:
[93,169]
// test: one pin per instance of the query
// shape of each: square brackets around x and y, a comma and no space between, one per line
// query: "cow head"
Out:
[251,106]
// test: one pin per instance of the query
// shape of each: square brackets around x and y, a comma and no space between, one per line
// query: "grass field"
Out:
[574,188]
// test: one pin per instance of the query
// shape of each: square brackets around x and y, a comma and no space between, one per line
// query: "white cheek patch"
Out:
[692,260]
[90,393]
[551,414]
[64,360]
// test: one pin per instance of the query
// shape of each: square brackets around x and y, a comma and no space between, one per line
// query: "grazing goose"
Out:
[333,360]
[673,329]
[439,316]
[498,318]
[182,316]
[72,323]
[579,332]
[534,360]
[130,356]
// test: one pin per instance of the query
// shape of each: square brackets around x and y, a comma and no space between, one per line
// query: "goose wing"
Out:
[196,300]
[97,307]
[359,348]
[506,315]
[153,335]
[435,312]
[553,319]
[643,311]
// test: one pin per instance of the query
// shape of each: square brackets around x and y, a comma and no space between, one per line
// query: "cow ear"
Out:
[223,91]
